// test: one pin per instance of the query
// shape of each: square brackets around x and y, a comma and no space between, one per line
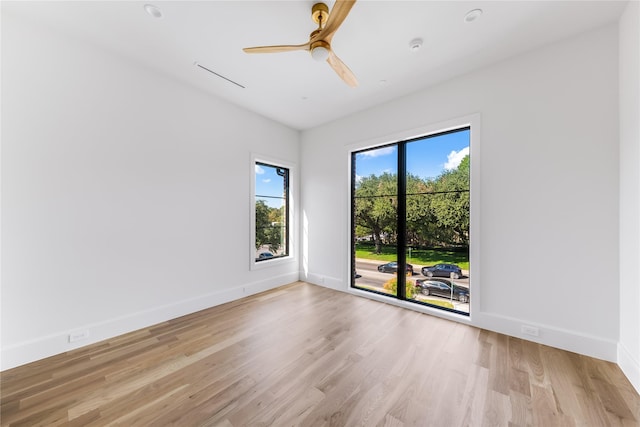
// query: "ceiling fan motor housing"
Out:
[320,13]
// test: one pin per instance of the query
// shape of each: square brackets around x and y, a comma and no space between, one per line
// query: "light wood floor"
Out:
[309,356]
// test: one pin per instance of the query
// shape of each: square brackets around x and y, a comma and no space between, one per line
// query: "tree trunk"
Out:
[378,241]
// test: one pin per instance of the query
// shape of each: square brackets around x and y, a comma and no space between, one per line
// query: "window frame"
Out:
[290,223]
[472,121]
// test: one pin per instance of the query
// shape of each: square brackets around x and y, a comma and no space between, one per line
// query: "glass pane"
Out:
[375,219]
[270,181]
[438,219]
[272,193]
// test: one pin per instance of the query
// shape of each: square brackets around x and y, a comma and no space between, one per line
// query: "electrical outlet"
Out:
[78,335]
[530,330]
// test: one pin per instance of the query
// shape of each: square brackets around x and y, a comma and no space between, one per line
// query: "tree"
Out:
[374,206]
[269,225]
[437,211]
[419,215]
[451,203]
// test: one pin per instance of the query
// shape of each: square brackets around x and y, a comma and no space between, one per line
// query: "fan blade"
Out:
[342,70]
[276,49]
[337,15]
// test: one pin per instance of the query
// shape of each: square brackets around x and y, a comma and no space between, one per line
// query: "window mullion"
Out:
[401,213]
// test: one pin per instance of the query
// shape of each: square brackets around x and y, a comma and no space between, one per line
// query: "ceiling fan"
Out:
[319,43]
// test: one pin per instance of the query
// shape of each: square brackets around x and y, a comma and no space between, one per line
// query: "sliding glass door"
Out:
[410,220]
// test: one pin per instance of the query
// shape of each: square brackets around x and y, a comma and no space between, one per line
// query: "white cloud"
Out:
[379,152]
[259,170]
[266,181]
[358,178]
[455,158]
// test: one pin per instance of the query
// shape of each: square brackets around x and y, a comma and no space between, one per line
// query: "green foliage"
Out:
[269,226]
[365,250]
[451,208]
[437,210]
[374,209]
[391,285]
[391,288]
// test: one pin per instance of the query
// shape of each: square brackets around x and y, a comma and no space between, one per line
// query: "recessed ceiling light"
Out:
[472,15]
[415,45]
[153,10]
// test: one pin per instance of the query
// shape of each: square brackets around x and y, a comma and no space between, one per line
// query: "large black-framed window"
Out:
[410,217]
[271,211]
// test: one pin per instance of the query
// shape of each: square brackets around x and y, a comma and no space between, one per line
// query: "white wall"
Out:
[120,207]
[548,189]
[629,349]
[125,195]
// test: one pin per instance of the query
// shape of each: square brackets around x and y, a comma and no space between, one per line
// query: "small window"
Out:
[271,212]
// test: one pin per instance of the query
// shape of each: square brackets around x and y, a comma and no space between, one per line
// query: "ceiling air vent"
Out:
[219,75]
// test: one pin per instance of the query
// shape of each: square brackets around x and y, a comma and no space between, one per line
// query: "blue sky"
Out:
[426,158]
[268,183]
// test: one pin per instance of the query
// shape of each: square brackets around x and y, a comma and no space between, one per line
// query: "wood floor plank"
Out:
[474,396]
[303,355]
[497,409]
[521,414]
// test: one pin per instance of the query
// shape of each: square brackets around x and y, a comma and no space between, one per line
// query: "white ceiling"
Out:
[291,87]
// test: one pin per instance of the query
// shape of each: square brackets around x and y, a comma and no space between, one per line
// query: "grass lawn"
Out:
[418,256]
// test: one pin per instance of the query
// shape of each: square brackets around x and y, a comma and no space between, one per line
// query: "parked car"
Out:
[265,255]
[442,288]
[443,270]
[392,267]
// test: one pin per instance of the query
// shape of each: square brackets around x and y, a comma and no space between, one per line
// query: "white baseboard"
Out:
[40,348]
[577,342]
[325,281]
[630,365]
[50,345]
[573,341]
[552,336]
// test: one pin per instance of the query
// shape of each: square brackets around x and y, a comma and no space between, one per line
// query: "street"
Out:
[371,277]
